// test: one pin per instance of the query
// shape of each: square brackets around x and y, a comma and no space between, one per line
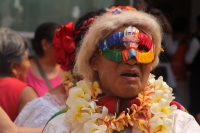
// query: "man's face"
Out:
[123,79]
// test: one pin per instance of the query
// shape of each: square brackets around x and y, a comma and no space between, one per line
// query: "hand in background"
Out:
[7,126]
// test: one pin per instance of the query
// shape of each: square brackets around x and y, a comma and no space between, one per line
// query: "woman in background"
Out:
[44,72]
[14,64]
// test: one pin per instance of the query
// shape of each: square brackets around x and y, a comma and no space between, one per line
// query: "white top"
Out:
[37,112]
[194,47]
[171,45]
[183,123]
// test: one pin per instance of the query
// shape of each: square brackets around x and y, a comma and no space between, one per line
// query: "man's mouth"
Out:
[129,74]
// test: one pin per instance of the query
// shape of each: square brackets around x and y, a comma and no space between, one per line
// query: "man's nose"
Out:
[131,61]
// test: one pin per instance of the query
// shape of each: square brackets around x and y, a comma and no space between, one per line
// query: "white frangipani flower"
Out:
[91,127]
[162,106]
[76,93]
[79,111]
[161,125]
[84,86]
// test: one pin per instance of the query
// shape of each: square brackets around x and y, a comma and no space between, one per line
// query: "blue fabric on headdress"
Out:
[110,41]
[117,11]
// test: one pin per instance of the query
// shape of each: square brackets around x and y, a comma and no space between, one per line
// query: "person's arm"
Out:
[7,126]
[29,130]
[27,95]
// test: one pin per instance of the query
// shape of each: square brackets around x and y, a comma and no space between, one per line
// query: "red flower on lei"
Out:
[64,46]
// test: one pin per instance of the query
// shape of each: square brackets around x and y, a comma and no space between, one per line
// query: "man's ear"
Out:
[94,61]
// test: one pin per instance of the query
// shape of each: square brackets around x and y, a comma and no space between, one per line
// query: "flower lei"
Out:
[155,99]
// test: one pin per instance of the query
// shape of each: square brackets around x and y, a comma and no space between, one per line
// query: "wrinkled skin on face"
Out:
[122,79]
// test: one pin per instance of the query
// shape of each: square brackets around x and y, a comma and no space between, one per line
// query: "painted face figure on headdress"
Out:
[121,46]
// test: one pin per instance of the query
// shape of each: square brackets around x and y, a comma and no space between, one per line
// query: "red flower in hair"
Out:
[64,46]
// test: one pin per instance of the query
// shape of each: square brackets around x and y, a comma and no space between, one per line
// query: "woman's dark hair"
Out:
[198,19]
[180,24]
[43,31]
[149,5]
[83,24]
